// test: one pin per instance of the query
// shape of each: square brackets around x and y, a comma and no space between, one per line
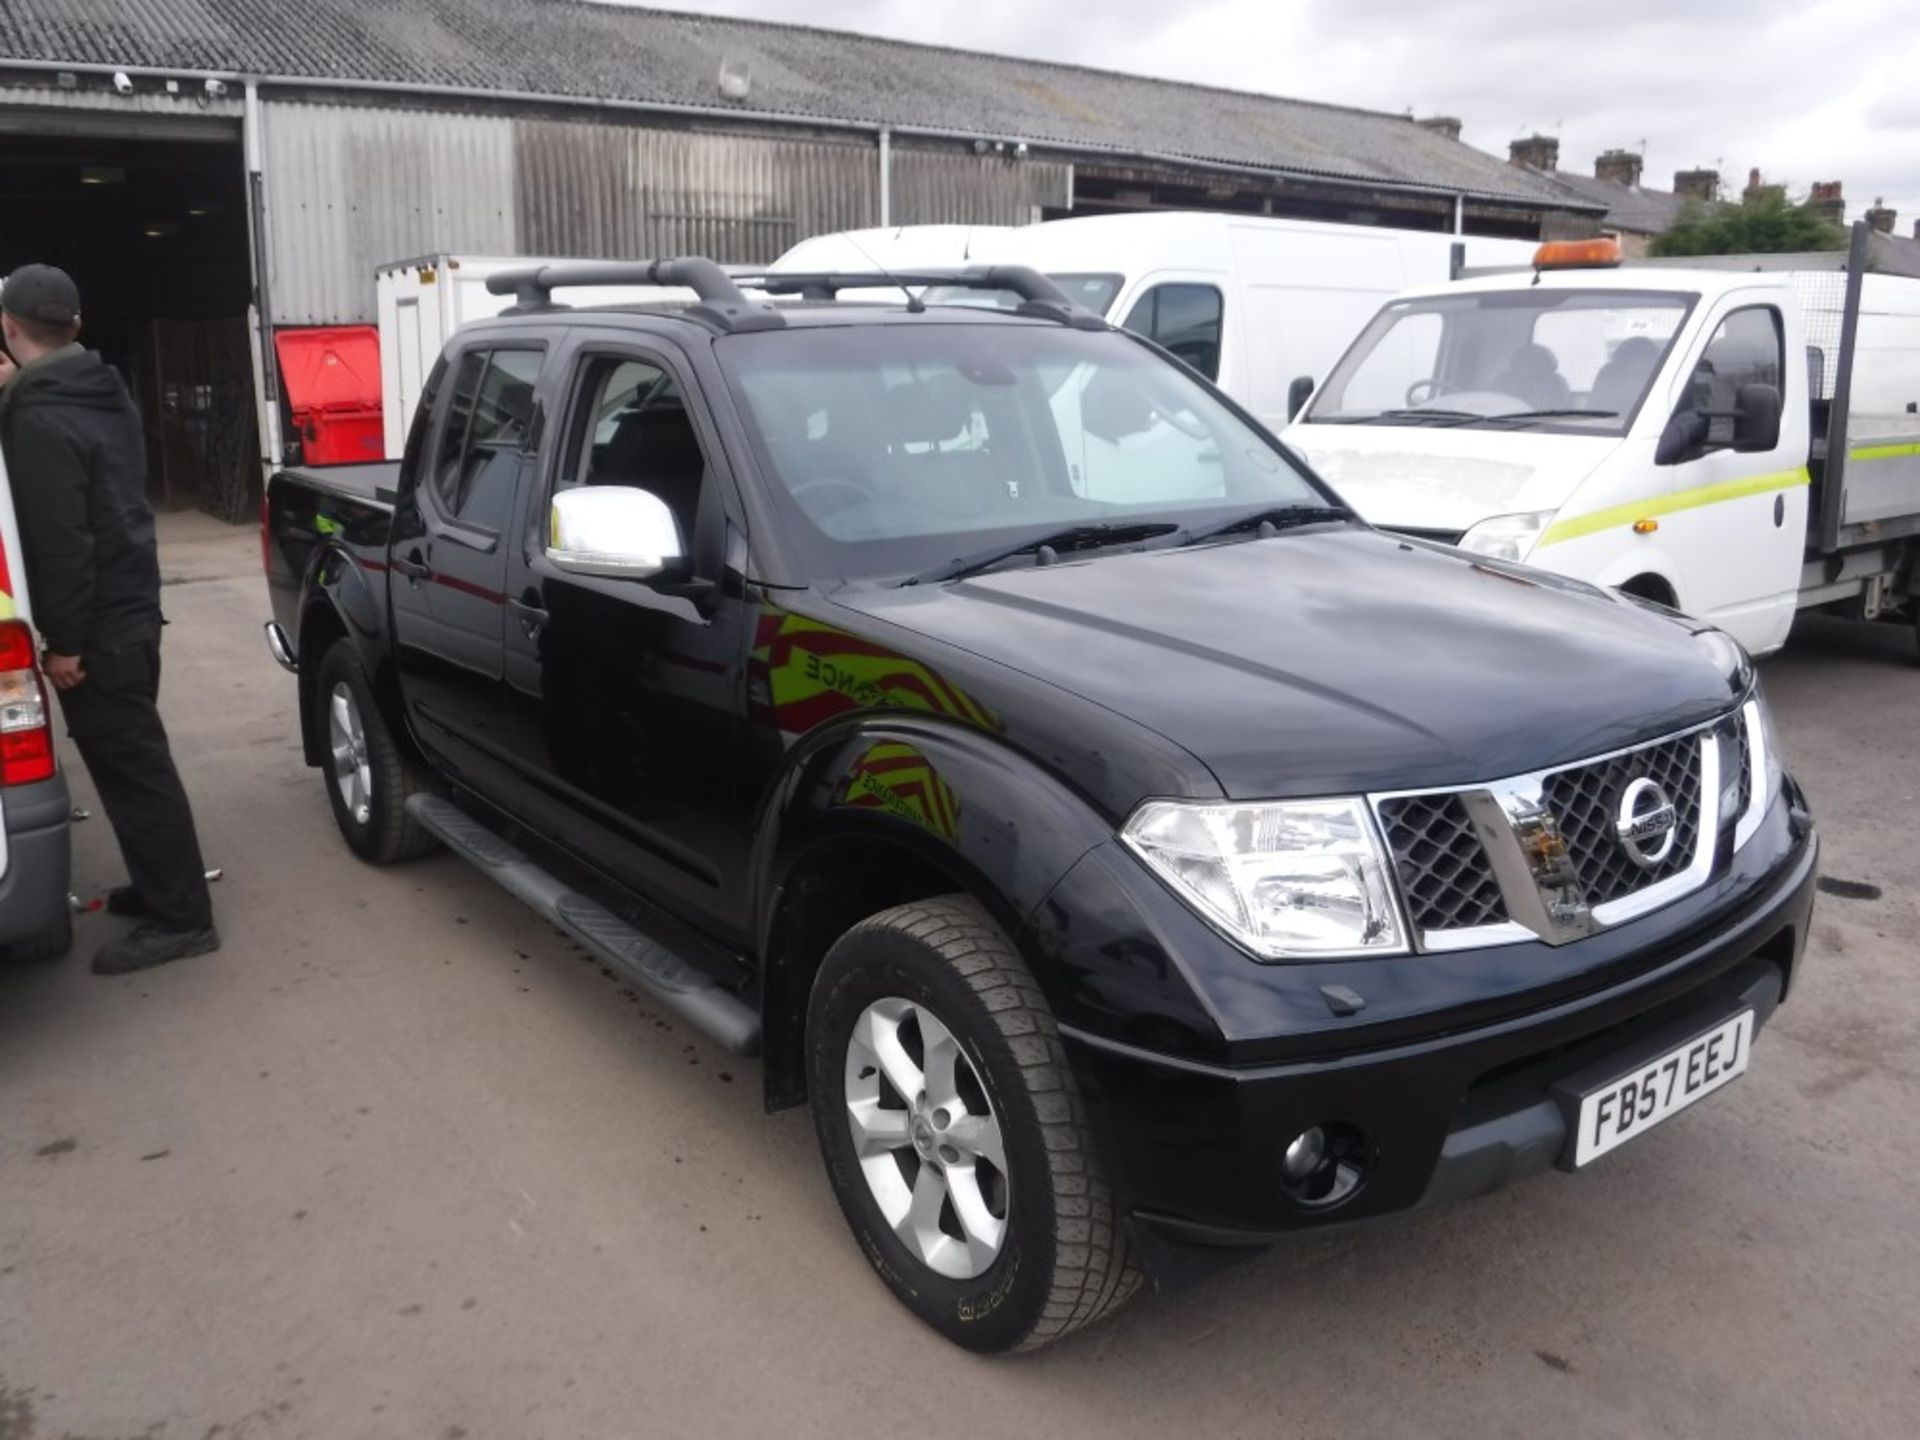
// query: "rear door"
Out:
[449,559]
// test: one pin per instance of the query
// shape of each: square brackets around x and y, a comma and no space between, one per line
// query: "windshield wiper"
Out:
[1270,521]
[1398,416]
[1549,415]
[1073,537]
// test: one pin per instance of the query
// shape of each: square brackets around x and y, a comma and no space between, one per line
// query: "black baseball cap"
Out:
[42,294]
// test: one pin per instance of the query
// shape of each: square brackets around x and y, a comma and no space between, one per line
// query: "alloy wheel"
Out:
[927,1138]
[347,737]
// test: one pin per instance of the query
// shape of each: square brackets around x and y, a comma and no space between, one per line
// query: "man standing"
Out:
[77,463]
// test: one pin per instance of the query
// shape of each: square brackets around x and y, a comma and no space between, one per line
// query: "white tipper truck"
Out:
[1736,437]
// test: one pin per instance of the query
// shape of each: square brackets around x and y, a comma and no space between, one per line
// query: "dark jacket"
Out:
[77,464]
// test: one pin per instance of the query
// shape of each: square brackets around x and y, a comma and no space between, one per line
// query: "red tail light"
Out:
[26,738]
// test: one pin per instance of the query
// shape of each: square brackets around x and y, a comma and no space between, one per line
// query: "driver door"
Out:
[1739,519]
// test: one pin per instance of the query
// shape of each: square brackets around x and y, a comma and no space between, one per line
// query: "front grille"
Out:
[1586,802]
[1736,731]
[1445,875]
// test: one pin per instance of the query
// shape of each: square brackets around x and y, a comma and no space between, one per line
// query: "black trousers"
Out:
[114,719]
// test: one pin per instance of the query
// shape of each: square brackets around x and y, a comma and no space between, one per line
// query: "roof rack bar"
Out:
[1039,295]
[721,301]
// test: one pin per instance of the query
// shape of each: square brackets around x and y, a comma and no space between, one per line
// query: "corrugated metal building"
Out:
[192,160]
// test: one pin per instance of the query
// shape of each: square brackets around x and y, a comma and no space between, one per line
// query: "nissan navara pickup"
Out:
[1130,856]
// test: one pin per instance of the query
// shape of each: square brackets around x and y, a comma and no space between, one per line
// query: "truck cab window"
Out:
[1183,319]
[489,419]
[631,427]
[1746,349]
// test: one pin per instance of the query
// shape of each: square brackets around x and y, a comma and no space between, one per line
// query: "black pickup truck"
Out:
[1131,856]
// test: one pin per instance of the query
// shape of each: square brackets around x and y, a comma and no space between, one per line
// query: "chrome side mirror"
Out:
[615,531]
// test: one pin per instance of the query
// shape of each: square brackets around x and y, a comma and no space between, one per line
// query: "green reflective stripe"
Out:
[1596,521]
[1882,452]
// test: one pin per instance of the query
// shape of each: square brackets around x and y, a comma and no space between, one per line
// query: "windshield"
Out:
[1096,292]
[893,448]
[1578,361]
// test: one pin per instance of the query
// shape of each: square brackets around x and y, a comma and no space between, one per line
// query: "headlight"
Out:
[1508,537]
[1287,879]
[1767,766]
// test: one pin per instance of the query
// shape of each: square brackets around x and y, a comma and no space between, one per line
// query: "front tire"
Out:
[368,776]
[953,1135]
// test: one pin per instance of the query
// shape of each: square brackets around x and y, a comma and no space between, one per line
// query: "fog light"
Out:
[1304,1154]
[1324,1165]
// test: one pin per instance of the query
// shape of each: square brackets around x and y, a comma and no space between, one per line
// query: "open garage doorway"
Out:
[154,231]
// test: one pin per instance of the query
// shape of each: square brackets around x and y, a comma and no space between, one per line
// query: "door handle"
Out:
[413,565]
[531,617]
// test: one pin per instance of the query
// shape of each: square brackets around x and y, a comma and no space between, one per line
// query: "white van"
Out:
[1734,438]
[1251,302]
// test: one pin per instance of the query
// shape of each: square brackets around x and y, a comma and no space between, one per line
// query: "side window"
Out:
[630,427]
[489,420]
[455,428]
[1746,349]
[1184,319]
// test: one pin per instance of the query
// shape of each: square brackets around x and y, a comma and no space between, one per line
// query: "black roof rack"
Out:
[1039,296]
[726,308]
[721,303]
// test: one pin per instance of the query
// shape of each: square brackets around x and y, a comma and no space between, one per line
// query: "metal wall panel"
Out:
[148,114]
[624,191]
[948,187]
[351,187]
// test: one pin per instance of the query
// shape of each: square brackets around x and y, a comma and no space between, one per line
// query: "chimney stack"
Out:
[1535,152]
[1622,167]
[1825,198]
[1881,218]
[1701,185]
[1443,125]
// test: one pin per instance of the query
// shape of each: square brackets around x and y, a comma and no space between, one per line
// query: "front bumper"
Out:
[1193,1144]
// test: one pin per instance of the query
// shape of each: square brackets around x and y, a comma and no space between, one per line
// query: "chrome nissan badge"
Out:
[1647,823]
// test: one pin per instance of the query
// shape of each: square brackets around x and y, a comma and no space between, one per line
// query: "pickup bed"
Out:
[1129,855]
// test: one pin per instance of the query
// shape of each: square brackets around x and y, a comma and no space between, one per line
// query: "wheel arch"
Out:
[1650,584]
[882,813]
[338,603]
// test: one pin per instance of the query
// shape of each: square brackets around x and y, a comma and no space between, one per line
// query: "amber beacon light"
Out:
[1603,253]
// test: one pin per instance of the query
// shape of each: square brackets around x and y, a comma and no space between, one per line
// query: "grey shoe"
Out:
[146,946]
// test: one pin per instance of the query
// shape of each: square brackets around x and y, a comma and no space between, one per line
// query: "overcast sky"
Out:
[1803,90]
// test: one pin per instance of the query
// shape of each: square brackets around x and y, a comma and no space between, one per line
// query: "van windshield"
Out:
[891,448]
[1576,361]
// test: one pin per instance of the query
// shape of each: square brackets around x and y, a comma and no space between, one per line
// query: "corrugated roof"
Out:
[1629,207]
[592,51]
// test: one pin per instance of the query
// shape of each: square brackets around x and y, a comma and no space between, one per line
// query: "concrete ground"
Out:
[395,1163]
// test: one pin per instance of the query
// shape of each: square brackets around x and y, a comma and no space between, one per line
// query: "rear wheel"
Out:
[368,776]
[953,1135]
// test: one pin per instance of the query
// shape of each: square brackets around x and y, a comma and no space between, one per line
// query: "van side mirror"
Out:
[619,532]
[1683,438]
[1298,393]
[1756,418]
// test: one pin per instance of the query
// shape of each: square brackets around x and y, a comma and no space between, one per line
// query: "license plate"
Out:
[1642,1098]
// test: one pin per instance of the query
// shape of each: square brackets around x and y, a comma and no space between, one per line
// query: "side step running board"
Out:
[689,992]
